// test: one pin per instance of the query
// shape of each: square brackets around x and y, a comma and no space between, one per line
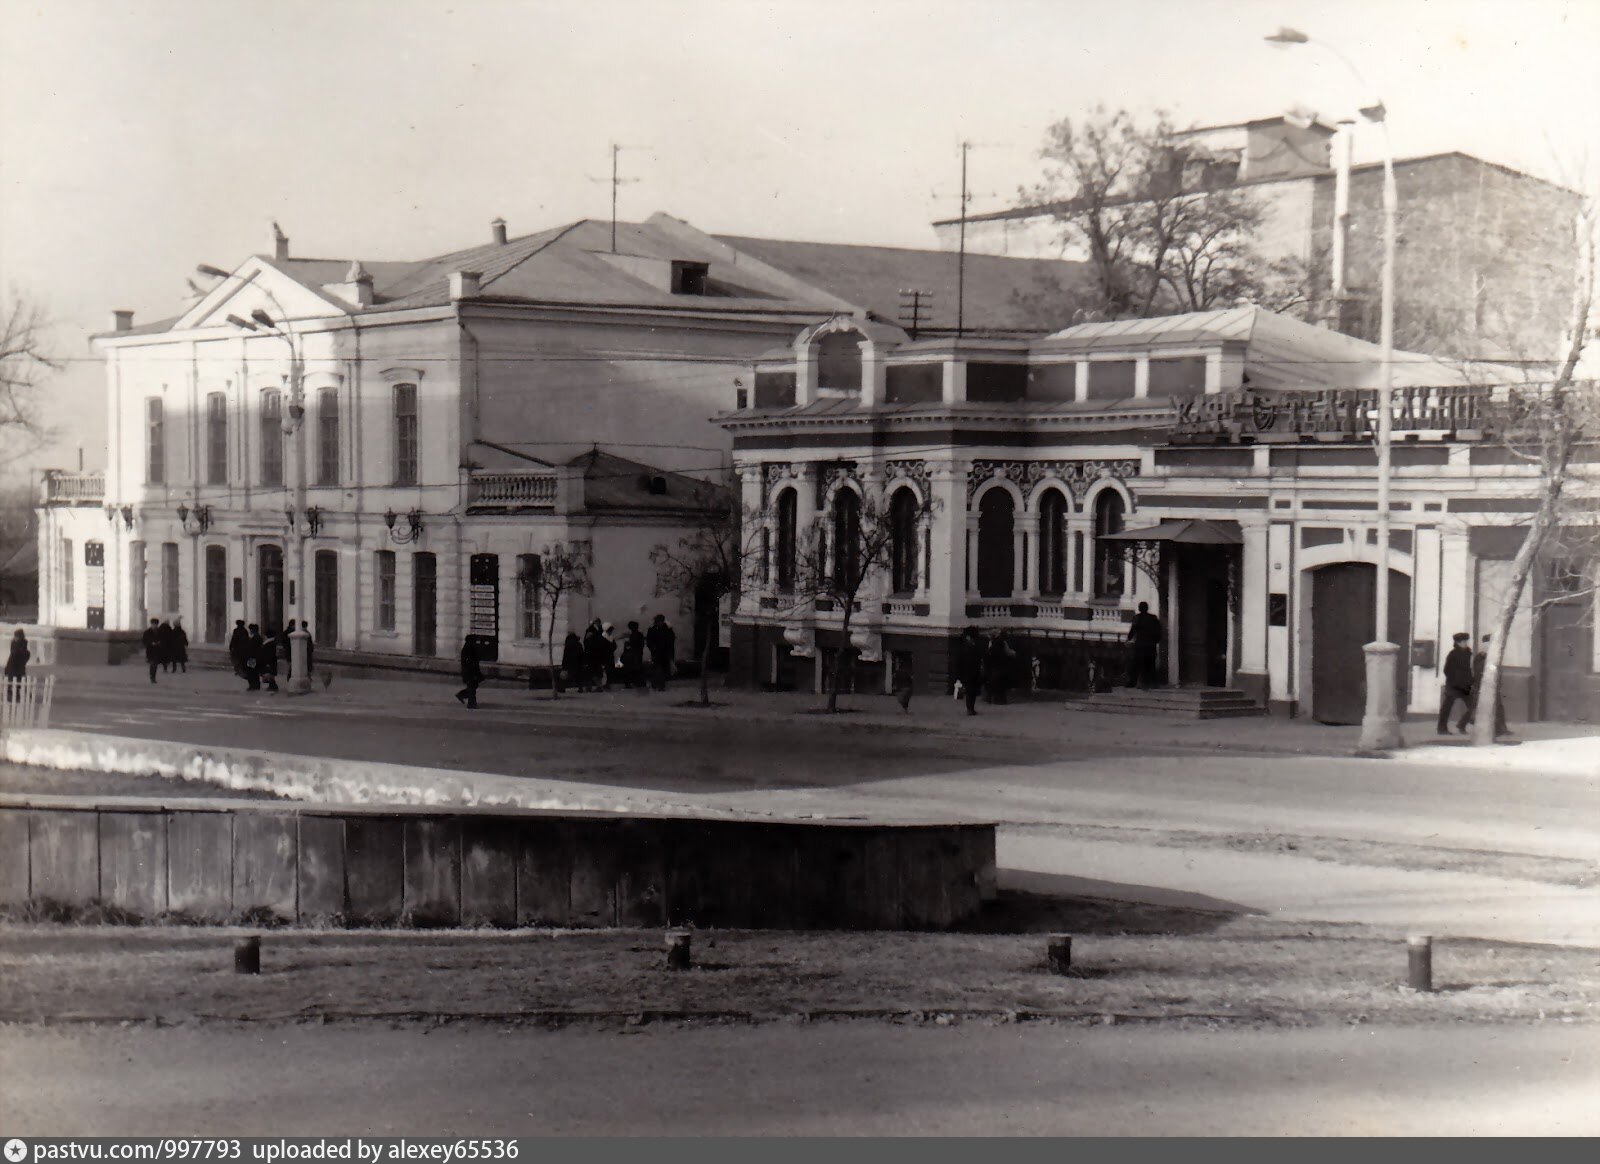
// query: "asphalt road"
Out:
[828,1079]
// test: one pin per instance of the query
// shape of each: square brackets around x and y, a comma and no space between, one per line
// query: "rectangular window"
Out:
[66,571]
[155,427]
[386,590]
[328,436]
[405,434]
[528,567]
[1111,379]
[169,578]
[216,439]
[272,438]
[424,604]
[325,600]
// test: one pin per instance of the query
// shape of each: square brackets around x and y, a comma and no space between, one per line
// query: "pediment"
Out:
[257,285]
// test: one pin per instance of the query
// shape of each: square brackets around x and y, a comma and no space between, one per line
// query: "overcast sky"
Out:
[139,137]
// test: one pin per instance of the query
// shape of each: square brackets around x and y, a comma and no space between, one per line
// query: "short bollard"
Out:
[247,955]
[1059,953]
[1419,951]
[678,949]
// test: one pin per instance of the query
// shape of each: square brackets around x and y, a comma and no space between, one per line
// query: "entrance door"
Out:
[1565,652]
[424,605]
[1341,624]
[325,608]
[269,582]
[216,593]
[1203,615]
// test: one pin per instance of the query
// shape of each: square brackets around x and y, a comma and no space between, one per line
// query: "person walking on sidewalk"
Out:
[280,643]
[471,674]
[594,656]
[17,665]
[1002,657]
[168,646]
[572,661]
[239,646]
[662,642]
[1144,637]
[180,645]
[151,639]
[251,658]
[969,654]
[311,647]
[1457,684]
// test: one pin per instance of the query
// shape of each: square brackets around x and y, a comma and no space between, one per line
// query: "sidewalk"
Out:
[1545,748]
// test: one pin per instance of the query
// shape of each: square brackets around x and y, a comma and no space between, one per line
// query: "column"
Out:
[1426,591]
[946,584]
[954,384]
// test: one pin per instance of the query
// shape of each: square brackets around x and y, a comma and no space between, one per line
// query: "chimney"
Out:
[280,242]
[356,288]
[498,226]
[464,284]
[122,320]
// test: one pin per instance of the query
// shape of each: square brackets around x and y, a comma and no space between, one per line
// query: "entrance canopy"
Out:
[1189,532]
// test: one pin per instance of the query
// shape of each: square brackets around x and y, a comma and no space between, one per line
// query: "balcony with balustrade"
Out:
[511,492]
[68,488]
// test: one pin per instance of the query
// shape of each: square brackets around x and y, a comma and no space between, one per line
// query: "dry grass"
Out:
[1247,971]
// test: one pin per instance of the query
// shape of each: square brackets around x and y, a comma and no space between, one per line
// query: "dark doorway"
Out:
[216,593]
[1203,614]
[424,605]
[269,583]
[996,524]
[325,599]
[1342,624]
[1567,687]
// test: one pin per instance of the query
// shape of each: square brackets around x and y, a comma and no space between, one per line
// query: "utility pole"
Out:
[915,308]
[961,249]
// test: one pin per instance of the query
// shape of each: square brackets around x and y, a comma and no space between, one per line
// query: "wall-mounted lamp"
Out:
[413,528]
[202,518]
[313,519]
[127,516]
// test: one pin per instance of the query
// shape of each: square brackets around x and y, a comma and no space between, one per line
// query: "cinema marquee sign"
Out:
[1335,414]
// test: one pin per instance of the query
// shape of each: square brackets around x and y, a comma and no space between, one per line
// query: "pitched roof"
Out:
[1280,351]
[611,482]
[999,293]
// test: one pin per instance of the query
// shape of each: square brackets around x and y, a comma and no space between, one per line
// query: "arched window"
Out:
[839,361]
[903,541]
[1052,543]
[997,519]
[1108,511]
[846,539]
[786,540]
[272,437]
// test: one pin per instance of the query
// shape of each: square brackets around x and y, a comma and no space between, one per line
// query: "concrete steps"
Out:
[1175,702]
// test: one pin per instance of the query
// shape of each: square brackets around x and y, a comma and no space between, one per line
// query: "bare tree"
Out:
[1544,425]
[563,570]
[849,546]
[715,559]
[24,364]
[1162,230]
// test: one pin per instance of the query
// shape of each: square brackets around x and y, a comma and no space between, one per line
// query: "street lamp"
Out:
[293,414]
[1380,724]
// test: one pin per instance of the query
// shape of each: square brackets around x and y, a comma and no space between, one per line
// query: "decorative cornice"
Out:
[1078,476]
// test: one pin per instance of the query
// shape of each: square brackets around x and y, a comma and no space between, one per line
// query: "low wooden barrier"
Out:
[264,862]
[25,703]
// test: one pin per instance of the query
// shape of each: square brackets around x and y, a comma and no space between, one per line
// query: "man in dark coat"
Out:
[251,656]
[1457,684]
[152,646]
[662,642]
[280,643]
[471,674]
[16,669]
[997,673]
[168,645]
[1145,636]
[633,658]
[572,660]
[596,652]
[180,646]
[238,646]
[968,670]
[311,647]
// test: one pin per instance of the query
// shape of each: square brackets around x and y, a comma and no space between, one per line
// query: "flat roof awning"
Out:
[1189,532]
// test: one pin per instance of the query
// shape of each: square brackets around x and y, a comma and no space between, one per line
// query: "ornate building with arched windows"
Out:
[1218,466]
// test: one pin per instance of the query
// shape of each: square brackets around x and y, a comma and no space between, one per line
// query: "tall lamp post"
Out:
[293,417]
[1380,723]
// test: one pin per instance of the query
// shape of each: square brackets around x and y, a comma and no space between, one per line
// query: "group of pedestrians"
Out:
[256,656]
[642,660]
[1463,680]
[984,666]
[166,646]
